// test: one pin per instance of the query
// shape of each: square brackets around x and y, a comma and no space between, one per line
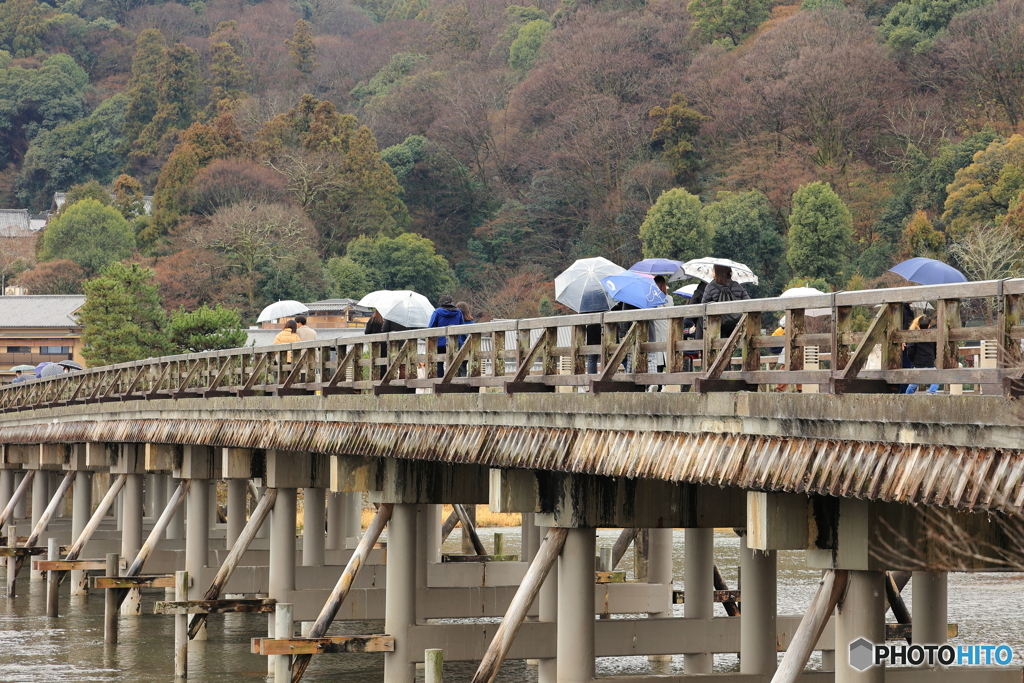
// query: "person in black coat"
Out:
[922,355]
[724,288]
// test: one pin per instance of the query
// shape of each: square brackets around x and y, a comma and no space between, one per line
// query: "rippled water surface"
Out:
[989,608]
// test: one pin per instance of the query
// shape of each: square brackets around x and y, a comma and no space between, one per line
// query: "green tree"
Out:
[350,280]
[177,89]
[142,87]
[88,190]
[675,135]
[302,48]
[229,77]
[122,319]
[912,25]
[984,191]
[820,233]
[407,261]
[524,48]
[675,227]
[732,19]
[207,329]
[127,197]
[72,152]
[90,234]
[745,229]
[920,238]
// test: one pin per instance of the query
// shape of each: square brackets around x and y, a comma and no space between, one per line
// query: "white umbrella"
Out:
[807,291]
[687,290]
[579,287]
[704,269]
[404,307]
[282,309]
[371,300]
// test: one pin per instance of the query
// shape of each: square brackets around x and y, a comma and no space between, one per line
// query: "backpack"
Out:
[729,319]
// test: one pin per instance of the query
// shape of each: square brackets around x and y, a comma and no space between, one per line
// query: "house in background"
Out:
[34,329]
[329,314]
[61,198]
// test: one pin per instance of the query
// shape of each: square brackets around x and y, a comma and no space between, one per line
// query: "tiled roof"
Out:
[57,310]
[14,223]
[334,305]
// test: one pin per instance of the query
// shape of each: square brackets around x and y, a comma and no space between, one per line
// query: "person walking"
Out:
[658,332]
[287,335]
[467,318]
[18,377]
[444,315]
[921,354]
[305,332]
[724,288]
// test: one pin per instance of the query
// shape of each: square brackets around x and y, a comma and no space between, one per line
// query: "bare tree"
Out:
[990,252]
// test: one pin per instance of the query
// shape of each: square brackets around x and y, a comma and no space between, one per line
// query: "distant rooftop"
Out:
[334,305]
[55,310]
[15,223]
[61,198]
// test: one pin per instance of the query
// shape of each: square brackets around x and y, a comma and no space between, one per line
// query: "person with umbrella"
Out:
[724,288]
[446,313]
[658,332]
[288,334]
[18,377]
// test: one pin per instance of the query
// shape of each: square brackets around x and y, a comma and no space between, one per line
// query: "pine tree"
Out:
[207,329]
[180,169]
[302,48]
[127,196]
[675,134]
[177,86]
[149,52]
[122,319]
[229,77]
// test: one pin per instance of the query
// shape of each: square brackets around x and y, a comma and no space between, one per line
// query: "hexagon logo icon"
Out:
[861,654]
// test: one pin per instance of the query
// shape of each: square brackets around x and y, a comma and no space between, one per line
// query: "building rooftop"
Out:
[266,337]
[334,305]
[15,223]
[56,310]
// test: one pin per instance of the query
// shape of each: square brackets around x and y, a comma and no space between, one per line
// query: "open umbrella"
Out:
[656,266]
[282,309]
[24,368]
[687,290]
[579,286]
[807,291]
[52,369]
[928,271]
[405,308]
[704,269]
[70,365]
[39,368]
[373,298]
[634,289]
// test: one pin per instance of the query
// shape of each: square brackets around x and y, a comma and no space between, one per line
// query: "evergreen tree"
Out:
[127,197]
[142,88]
[524,48]
[675,228]
[729,19]
[820,233]
[351,280]
[984,191]
[920,238]
[404,262]
[675,135]
[168,202]
[177,89]
[745,230]
[90,234]
[229,77]
[302,48]
[122,319]
[207,329]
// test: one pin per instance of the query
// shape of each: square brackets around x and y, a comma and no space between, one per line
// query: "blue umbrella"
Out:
[927,271]
[634,289]
[39,368]
[656,266]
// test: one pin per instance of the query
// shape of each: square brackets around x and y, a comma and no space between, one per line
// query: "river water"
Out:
[989,608]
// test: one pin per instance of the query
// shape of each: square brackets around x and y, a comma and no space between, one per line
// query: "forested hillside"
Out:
[312,148]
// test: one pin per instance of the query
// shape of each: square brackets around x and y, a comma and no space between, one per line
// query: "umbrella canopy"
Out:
[634,289]
[579,286]
[656,266]
[704,269]
[39,368]
[807,291]
[281,309]
[52,369]
[70,365]
[687,291]
[927,271]
[24,368]
[373,298]
[405,308]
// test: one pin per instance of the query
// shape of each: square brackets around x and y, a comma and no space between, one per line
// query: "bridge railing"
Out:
[842,342]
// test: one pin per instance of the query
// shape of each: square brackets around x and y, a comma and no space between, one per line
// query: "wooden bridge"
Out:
[871,484]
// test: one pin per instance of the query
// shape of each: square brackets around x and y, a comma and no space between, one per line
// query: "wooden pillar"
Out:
[81,511]
[929,608]
[236,510]
[176,529]
[282,545]
[861,615]
[197,539]
[699,583]
[547,669]
[131,535]
[400,599]
[575,634]
[336,510]
[758,624]
[20,510]
[313,533]
[40,498]
[6,487]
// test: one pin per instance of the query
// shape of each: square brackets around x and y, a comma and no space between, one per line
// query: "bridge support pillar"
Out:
[929,607]
[699,582]
[157,485]
[197,540]
[659,571]
[6,487]
[81,511]
[336,520]
[757,625]
[237,491]
[282,545]
[431,533]
[861,615]
[176,527]
[354,516]
[131,535]
[400,599]
[21,508]
[40,499]
[313,527]
[575,633]
[547,669]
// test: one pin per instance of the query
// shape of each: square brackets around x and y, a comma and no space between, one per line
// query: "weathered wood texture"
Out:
[94,521]
[830,591]
[322,646]
[262,606]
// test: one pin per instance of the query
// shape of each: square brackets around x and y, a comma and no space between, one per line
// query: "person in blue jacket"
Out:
[447,313]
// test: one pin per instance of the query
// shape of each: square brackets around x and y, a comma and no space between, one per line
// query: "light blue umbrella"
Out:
[656,266]
[928,271]
[634,289]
